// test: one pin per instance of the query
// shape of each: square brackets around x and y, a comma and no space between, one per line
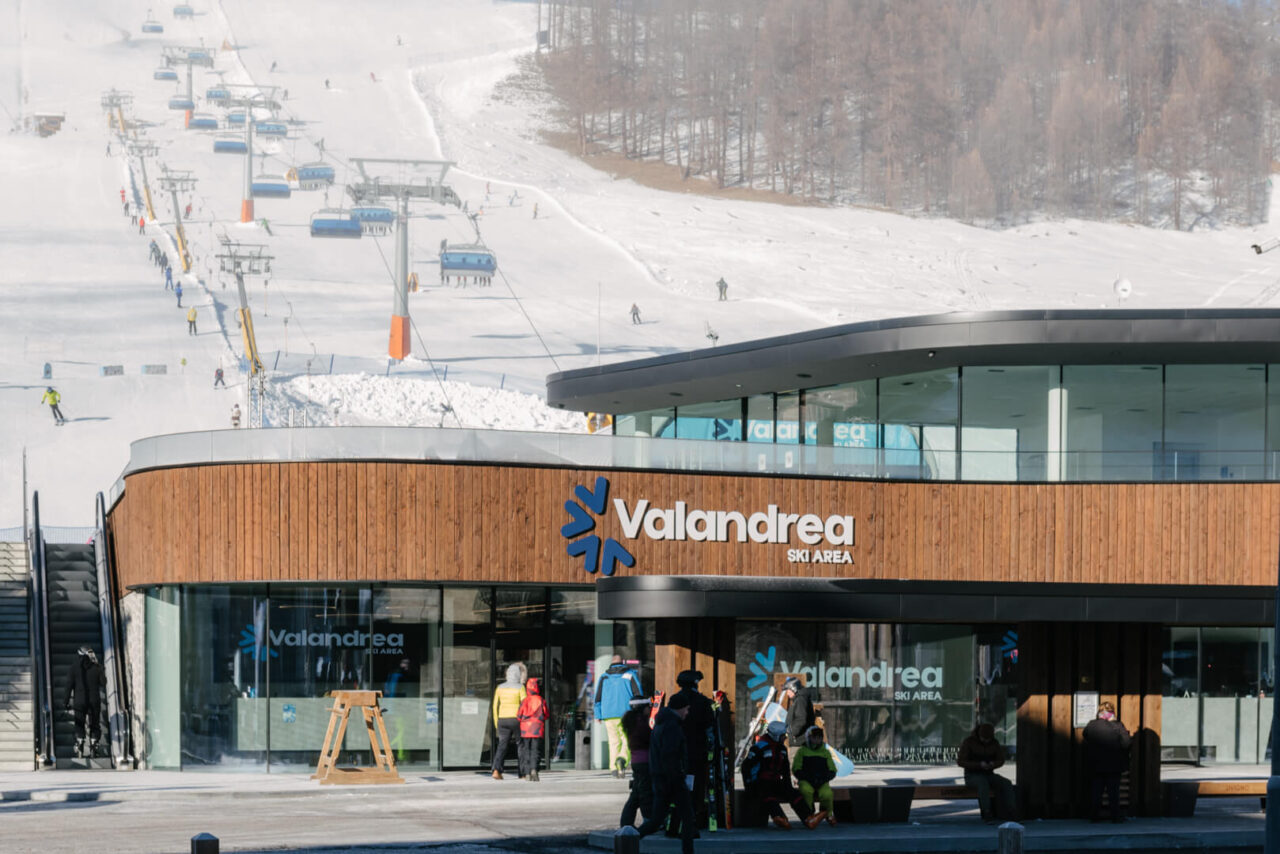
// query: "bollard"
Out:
[626,841]
[1010,839]
[207,843]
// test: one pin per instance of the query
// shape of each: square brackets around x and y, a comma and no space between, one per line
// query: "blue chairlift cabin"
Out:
[374,219]
[270,187]
[181,102]
[200,57]
[182,10]
[165,73]
[271,129]
[217,95]
[236,117]
[229,144]
[203,121]
[467,259]
[332,222]
[313,176]
[151,25]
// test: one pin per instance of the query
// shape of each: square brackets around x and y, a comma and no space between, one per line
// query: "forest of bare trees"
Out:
[1153,111]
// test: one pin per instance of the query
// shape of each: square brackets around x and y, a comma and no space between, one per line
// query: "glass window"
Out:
[406,666]
[1214,421]
[1230,685]
[842,418]
[918,414]
[1113,421]
[657,423]
[760,418]
[1005,435]
[1180,704]
[1273,422]
[721,420]
[468,675]
[226,648]
[322,642]
[164,678]
[787,418]
[890,693]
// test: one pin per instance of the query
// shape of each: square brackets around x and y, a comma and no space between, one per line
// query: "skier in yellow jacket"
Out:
[52,398]
[507,698]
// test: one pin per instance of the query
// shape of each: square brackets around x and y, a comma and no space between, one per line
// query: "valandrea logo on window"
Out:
[681,523]
[383,643]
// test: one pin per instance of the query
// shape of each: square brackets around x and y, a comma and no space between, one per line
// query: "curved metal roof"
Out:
[905,345]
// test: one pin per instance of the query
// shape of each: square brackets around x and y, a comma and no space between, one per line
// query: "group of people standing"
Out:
[520,715]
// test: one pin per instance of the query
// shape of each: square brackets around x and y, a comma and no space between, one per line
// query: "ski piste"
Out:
[750,737]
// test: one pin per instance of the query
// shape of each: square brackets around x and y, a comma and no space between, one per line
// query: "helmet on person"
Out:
[776,730]
[49,389]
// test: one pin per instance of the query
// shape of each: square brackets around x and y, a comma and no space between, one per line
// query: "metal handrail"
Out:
[112,662]
[40,635]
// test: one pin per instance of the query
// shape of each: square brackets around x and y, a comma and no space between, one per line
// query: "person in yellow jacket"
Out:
[191,320]
[507,698]
[52,398]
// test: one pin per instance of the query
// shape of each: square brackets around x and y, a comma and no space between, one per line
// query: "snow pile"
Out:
[362,399]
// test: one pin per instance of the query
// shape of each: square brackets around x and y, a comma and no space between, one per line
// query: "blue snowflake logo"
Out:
[254,644]
[761,669]
[594,558]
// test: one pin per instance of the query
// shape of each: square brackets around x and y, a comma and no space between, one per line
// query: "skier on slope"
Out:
[52,398]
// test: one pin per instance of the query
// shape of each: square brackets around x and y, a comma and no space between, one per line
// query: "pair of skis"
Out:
[720,776]
[754,730]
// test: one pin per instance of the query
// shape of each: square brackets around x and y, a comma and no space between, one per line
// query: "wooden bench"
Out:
[868,804]
[1180,796]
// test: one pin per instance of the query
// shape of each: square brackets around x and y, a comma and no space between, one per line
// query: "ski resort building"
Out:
[1006,517]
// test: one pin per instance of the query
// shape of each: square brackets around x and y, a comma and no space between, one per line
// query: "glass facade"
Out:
[1217,689]
[1031,423]
[891,693]
[237,675]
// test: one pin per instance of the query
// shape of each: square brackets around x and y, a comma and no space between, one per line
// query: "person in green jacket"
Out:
[507,698]
[815,769]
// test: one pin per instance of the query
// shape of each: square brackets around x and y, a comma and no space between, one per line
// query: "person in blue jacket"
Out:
[617,687]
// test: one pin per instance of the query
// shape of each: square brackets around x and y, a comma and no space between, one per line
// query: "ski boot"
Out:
[79,748]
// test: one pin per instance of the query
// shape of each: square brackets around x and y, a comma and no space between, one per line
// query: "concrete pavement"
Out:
[59,812]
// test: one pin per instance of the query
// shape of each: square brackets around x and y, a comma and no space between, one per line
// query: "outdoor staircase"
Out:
[73,622]
[17,734]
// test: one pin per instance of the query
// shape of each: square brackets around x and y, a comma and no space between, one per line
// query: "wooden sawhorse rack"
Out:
[384,767]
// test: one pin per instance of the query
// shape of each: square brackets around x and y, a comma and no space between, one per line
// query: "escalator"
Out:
[74,621]
[74,607]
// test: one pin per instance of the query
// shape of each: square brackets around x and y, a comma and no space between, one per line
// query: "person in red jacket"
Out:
[533,717]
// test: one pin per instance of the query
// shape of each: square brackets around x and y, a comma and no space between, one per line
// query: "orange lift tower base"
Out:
[399,346]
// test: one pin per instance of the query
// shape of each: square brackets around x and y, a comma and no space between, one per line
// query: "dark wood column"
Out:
[1120,661]
[706,645]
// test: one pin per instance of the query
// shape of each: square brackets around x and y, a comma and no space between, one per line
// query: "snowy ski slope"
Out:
[432,81]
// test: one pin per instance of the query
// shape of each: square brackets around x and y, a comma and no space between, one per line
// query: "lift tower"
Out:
[247,97]
[188,56]
[113,104]
[142,150]
[245,259]
[178,181]
[401,180]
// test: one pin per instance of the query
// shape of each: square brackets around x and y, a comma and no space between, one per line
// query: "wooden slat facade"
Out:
[379,521]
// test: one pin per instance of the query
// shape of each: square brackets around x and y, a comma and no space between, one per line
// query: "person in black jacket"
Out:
[1106,744]
[698,735]
[635,723]
[801,712]
[84,690]
[668,758]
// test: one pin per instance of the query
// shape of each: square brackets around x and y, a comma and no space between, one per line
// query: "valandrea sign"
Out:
[833,535]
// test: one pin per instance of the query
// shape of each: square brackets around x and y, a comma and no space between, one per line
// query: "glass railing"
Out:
[581,450]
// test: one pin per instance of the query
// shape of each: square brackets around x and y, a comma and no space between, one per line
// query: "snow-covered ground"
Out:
[437,80]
